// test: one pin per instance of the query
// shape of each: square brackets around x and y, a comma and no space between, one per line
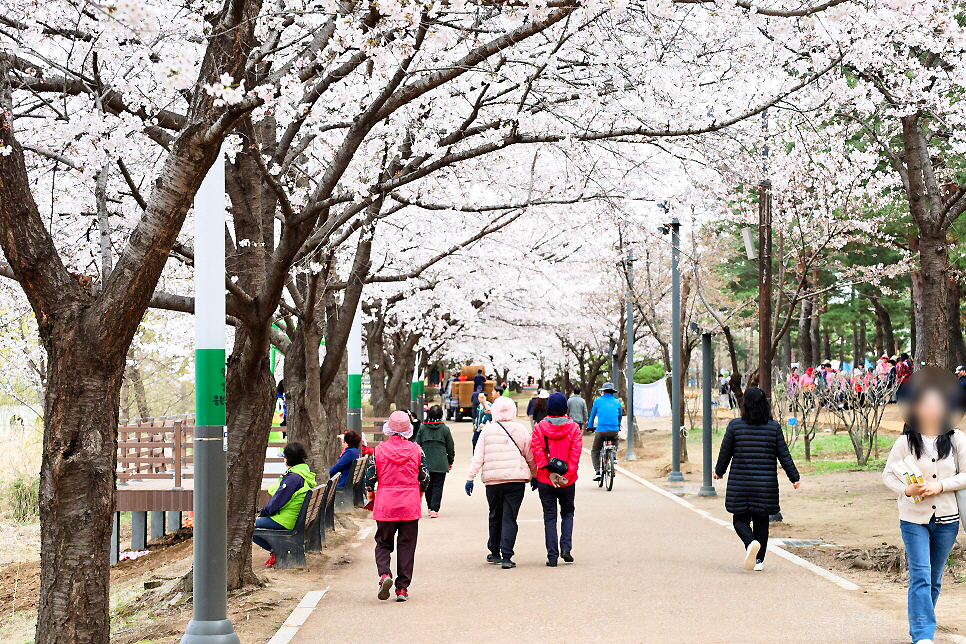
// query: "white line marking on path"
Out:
[778,550]
[299,615]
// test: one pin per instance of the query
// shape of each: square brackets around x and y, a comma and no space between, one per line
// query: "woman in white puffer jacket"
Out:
[504,460]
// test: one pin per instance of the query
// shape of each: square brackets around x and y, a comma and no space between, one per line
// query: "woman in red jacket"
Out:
[557,437]
[395,480]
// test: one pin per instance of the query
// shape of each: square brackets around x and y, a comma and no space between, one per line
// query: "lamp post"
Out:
[210,623]
[629,271]
[764,270]
[707,366]
[354,351]
[675,476]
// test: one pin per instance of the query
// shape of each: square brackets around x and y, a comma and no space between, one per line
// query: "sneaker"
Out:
[507,564]
[552,564]
[271,560]
[494,559]
[385,583]
[759,566]
[924,642]
[751,555]
[566,556]
[597,476]
[402,594]
[433,515]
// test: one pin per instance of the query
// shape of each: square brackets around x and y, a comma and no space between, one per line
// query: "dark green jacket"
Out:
[437,443]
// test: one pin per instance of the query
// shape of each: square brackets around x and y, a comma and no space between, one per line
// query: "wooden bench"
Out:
[359,482]
[315,532]
[345,496]
[289,545]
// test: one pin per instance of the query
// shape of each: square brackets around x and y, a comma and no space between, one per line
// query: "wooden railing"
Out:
[163,448]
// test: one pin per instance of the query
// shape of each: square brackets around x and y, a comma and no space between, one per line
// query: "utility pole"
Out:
[210,623]
[354,351]
[629,271]
[707,369]
[764,272]
[675,475]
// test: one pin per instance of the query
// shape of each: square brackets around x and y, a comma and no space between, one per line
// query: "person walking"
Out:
[753,444]
[557,444]
[437,442]
[395,480]
[282,511]
[605,418]
[540,407]
[479,380]
[929,516]
[577,408]
[504,460]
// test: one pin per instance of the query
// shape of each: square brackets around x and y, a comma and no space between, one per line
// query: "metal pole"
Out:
[613,367]
[354,351]
[707,369]
[629,268]
[414,391]
[675,475]
[210,623]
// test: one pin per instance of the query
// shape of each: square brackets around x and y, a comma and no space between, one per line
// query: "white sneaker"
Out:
[759,566]
[924,642]
[751,555]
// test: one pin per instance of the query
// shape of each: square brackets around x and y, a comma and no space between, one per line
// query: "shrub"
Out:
[649,373]
[20,497]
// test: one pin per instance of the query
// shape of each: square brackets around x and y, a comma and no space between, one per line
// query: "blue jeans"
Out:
[927,547]
[271,524]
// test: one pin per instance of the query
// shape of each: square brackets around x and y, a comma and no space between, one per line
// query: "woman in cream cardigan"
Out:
[929,516]
[504,460]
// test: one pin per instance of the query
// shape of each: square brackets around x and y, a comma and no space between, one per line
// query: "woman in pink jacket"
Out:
[504,460]
[395,480]
[557,437]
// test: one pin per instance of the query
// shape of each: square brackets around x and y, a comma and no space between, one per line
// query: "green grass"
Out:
[19,497]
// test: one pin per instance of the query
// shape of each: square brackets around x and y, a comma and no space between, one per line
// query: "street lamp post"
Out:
[675,475]
[210,623]
[629,270]
[354,351]
[707,488]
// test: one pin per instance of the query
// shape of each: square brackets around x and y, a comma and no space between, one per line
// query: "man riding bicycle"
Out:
[605,418]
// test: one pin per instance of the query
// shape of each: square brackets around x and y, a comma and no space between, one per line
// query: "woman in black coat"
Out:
[753,445]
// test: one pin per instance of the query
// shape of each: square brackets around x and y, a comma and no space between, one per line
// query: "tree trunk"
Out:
[250,387]
[335,404]
[805,358]
[77,487]
[885,320]
[863,343]
[816,321]
[879,338]
[930,300]
[140,397]
[957,346]
[912,330]
[303,423]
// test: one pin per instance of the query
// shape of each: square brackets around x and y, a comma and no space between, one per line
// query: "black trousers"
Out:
[550,496]
[747,534]
[435,493]
[401,536]
[504,500]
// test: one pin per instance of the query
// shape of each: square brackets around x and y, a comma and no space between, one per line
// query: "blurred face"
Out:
[931,412]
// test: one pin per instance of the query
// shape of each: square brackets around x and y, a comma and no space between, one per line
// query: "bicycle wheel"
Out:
[610,472]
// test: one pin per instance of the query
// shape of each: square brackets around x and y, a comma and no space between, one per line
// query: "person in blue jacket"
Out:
[351,440]
[605,418]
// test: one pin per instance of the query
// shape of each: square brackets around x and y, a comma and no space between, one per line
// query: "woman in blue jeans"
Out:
[929,516]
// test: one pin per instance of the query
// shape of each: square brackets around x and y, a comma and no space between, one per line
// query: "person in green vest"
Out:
[287,495]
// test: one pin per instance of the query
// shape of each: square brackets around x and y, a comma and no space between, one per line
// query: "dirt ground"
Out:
[849,510]
[159,615]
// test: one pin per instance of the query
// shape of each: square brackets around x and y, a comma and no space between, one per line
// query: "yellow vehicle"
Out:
[459,398]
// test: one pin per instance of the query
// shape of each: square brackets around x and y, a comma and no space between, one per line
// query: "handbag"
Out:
[554,465]
[960,494]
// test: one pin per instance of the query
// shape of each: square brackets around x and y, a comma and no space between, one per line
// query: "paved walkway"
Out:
[647,571]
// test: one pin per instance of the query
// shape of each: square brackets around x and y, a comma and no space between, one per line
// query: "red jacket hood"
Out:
[397,449]
[556,427]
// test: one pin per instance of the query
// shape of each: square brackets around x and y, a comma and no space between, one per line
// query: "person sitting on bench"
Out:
[282,511]
[350,452]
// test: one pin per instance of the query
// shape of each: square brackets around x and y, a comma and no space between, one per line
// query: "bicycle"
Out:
[608,465]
